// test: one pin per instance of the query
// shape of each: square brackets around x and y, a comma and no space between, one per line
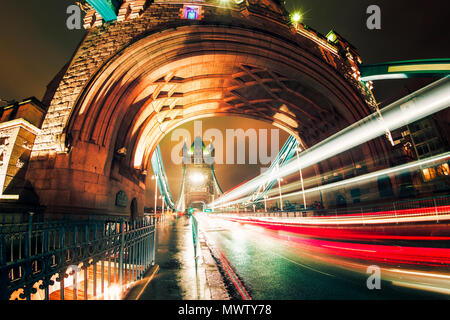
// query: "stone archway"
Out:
[115,118]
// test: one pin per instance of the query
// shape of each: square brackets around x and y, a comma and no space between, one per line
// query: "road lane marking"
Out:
[302,265]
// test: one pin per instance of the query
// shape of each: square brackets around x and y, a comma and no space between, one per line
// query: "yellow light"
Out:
[444,170]
[113,293]
[429,174]
[419,67]
[296,17]
[197,178]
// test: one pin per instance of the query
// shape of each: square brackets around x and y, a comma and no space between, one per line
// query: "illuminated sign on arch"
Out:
[192,12]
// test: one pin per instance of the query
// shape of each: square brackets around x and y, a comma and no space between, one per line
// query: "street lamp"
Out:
[155,177]
[279,189]
[296,17]
[265,203]
[162,203]
[197,178]
[297,150]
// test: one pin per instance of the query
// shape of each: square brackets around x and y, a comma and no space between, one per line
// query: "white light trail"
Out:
[368,176]
[385,77]
[373,175]
[422,103]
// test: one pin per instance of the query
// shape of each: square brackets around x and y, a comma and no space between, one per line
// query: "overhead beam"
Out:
[405,69]
[106,8]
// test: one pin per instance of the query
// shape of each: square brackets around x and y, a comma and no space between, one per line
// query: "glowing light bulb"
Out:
[197,177]
[296,17]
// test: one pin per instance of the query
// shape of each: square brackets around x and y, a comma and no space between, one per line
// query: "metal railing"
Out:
[195,235]
[74,259]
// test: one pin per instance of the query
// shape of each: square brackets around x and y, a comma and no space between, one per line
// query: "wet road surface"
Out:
[178,277]
[273,269]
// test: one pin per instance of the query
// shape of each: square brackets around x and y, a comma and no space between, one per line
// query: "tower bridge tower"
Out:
[199,186]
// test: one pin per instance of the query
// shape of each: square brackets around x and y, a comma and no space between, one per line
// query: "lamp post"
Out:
[155,177]
[162,203]
[265,203]
[279,189]
[301,177]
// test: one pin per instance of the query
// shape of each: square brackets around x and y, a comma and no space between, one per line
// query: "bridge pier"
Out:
[75,183]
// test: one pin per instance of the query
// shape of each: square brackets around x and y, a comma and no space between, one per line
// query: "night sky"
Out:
[35,43]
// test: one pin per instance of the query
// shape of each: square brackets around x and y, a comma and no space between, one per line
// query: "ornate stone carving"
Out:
[121,199]
[4,145]
[130,9]
[61,143]
[19,164]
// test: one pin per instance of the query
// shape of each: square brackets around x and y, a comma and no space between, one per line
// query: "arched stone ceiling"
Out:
[186,73]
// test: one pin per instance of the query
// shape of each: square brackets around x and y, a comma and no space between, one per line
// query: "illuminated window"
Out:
[443,170]
[192,12]
[429,174]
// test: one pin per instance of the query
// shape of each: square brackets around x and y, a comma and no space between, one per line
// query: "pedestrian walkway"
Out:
[179,276]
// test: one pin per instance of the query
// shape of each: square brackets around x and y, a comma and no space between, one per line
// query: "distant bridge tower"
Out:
[199,185]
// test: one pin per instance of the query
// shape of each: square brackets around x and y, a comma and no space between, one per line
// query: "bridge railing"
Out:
[195,235]
[74,259]
[433,206]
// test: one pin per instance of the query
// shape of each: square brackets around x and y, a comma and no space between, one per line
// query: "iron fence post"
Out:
[2,247]
[147,246]
[4,295]
[195,234]
[46,262]
[154,244]
[29,235]
[122,242]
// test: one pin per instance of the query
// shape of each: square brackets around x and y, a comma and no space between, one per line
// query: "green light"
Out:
[296,17]
[331,36]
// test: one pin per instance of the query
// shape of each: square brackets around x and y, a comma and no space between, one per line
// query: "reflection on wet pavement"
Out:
[273,267]
[179,278]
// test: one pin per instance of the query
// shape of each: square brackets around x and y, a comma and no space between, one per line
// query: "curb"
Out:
[214,278]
